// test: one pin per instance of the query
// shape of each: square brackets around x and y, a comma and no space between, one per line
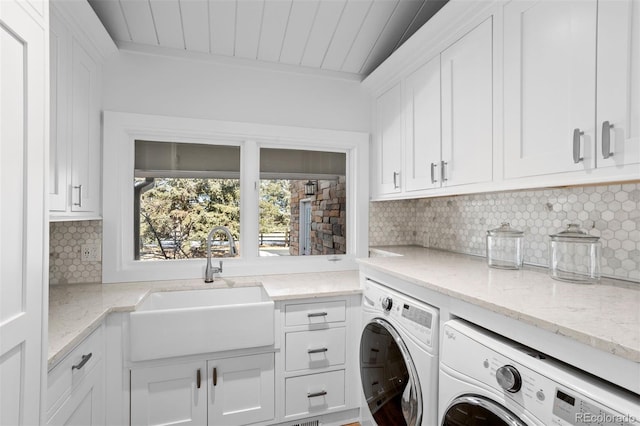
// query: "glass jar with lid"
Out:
[574,255]
[505,247]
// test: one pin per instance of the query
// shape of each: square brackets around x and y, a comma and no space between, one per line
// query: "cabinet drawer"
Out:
[64,377]
[315,313]
[314,393]
[314,349]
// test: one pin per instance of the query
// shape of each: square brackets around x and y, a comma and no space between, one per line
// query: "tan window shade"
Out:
[297,163]
[171,159]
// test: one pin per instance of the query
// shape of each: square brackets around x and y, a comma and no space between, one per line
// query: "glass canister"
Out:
[574,255]
[505,247]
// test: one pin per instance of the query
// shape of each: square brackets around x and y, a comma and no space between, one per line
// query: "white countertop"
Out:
[605,316]
[75,310]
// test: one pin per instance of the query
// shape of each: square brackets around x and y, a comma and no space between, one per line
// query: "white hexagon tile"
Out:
[66,240]
[459,223]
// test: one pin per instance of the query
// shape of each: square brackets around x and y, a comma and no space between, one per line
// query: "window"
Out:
[181,192]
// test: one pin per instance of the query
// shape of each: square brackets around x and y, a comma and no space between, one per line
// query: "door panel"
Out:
[389,134]
[23,107]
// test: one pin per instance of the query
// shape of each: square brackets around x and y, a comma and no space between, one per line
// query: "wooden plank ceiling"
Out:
[351,37]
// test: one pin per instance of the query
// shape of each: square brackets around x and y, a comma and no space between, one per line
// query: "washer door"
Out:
[471,410]
[389,377]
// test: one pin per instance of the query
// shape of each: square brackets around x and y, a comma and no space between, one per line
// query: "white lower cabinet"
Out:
[75,387]
[226,391]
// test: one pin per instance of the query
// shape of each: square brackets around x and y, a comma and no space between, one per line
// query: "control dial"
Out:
[508,378]
[387,303]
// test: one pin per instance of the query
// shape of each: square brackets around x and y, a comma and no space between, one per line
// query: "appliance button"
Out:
[540,395]
[486,363]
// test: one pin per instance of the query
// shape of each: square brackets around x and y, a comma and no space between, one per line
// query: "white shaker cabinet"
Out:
[467,108]
[549,87]
[388,135]
[618,83]
[422,120]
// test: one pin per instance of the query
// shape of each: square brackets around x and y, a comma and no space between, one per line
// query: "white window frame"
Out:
[122,129]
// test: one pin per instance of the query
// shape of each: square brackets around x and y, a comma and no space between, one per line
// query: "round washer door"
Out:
[472,410]
[389,377]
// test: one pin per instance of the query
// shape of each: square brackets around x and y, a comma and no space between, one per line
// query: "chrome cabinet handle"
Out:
[317,351]
[433,172]
[395,180]
[576,145]
[315,394]
[606,139]
[443,171]
[79,188]
[316,314]
[83,361]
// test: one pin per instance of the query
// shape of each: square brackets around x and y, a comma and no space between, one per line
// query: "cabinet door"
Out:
[618,117]
[389,139]
[467,108]
[549,86]
[172,394]
[85,132]
[85,405]
[241,389]
[422,120]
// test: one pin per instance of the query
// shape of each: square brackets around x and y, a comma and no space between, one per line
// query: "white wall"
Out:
[150,84]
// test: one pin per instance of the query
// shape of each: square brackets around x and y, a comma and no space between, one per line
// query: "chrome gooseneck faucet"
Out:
[210,270]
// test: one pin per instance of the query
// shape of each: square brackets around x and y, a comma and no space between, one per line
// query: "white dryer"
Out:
[486,379]
[398,358]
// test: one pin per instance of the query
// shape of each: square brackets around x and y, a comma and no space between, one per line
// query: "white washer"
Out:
[486,379]
[398,358]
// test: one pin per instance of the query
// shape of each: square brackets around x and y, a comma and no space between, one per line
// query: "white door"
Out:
[389,139]
[422,112]
[23,188]
[549,86]
[241,390]
[169,395]
[467,108]
[618,117]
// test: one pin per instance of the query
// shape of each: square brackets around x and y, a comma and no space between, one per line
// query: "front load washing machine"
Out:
[398,358]
[487,380]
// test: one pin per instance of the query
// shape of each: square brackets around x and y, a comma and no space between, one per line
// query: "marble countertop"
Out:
[75,310]
[605,315]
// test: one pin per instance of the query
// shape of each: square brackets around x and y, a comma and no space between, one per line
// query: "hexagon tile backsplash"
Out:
[459,223]
[65,252]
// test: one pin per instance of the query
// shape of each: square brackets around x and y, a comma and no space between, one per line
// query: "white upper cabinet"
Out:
[618,83]
[549,86]
[388,155]
[467,108]
[422,120]
[78,43]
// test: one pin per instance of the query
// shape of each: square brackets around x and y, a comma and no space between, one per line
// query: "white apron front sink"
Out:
[177,323]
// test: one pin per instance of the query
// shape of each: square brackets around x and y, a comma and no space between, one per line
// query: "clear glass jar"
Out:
[574,255]
[505,247]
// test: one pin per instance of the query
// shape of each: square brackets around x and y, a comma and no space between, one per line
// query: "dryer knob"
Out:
[387,303]
[509,378]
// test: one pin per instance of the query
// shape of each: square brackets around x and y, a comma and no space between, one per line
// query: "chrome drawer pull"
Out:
[315,394]
[83,361]
[576,146]
[606,140]
[375,350]
[317,351]
[317,314]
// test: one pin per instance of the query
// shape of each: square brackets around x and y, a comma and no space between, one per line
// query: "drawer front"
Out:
[315,349]
[314,393]
[63,377]
[315,313]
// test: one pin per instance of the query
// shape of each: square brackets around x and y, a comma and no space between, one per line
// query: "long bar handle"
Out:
[198,379]
[577,133]
[606,139]
[395,180]
[316,394]
[79,188]
[215,376]
[443,171]
[83,361]
[316,314]
[317,351]
[433,172]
